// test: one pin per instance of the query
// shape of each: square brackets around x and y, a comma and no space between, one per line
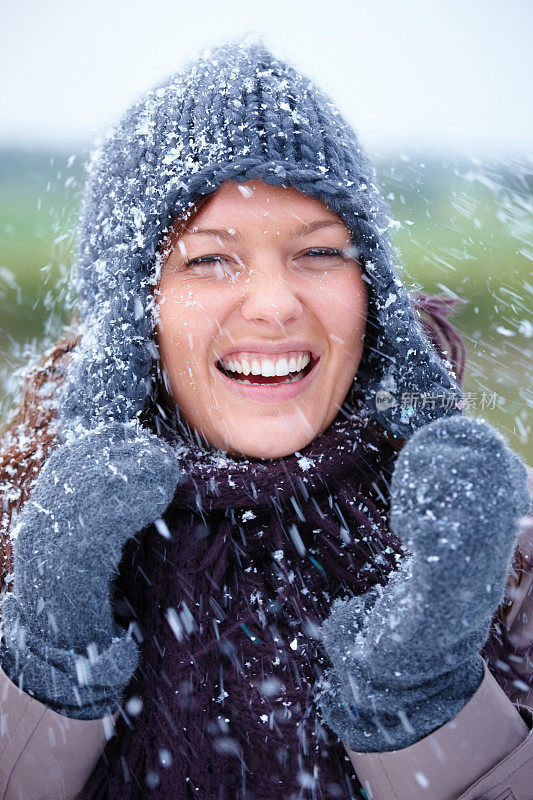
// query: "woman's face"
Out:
[258,281]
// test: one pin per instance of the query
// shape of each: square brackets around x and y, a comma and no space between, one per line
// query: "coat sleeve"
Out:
[483,753]
[486,751]
[43,754]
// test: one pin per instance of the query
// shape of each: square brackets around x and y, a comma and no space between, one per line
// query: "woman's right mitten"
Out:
[406,661]
[60,642]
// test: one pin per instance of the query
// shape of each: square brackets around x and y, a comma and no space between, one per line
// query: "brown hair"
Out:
[30,435]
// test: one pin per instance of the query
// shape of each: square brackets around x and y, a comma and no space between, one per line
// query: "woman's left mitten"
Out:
[60,641]
[457,495]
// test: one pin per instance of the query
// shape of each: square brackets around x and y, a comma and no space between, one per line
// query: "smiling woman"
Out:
[227,566]
[264,284]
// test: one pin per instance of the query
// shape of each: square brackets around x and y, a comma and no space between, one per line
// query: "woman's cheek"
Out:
[186,329]
[341,305]
[179,311]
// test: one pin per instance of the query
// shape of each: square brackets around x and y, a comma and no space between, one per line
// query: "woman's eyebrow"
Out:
[236,236]
[309,227]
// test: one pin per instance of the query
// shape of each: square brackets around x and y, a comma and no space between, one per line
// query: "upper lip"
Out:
[270,349]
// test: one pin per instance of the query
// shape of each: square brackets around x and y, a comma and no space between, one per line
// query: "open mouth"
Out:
[263,380]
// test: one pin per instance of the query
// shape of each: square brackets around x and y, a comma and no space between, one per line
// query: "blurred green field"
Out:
[461,228]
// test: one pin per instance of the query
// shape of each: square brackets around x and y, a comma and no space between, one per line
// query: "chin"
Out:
[271,445]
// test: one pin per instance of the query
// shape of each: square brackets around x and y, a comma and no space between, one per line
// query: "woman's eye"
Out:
[323,253]
[220,265]
[203,260]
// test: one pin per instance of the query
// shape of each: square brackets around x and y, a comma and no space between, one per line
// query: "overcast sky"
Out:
[435,74]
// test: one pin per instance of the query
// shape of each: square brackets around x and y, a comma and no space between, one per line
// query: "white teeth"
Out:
[282,367]
[267,367]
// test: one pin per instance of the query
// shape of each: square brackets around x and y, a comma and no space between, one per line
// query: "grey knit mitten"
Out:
[60,641]
[405,657]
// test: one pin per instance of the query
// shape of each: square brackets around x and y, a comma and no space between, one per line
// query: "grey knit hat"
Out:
[234,113]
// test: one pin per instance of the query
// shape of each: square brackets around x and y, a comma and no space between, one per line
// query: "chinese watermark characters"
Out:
[413,400]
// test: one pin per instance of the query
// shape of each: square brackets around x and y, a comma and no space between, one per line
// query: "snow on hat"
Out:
[235,113]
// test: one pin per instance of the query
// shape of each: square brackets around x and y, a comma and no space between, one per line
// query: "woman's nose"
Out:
[270,296]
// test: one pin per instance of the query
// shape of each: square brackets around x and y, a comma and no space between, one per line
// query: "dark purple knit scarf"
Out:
[227,597]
